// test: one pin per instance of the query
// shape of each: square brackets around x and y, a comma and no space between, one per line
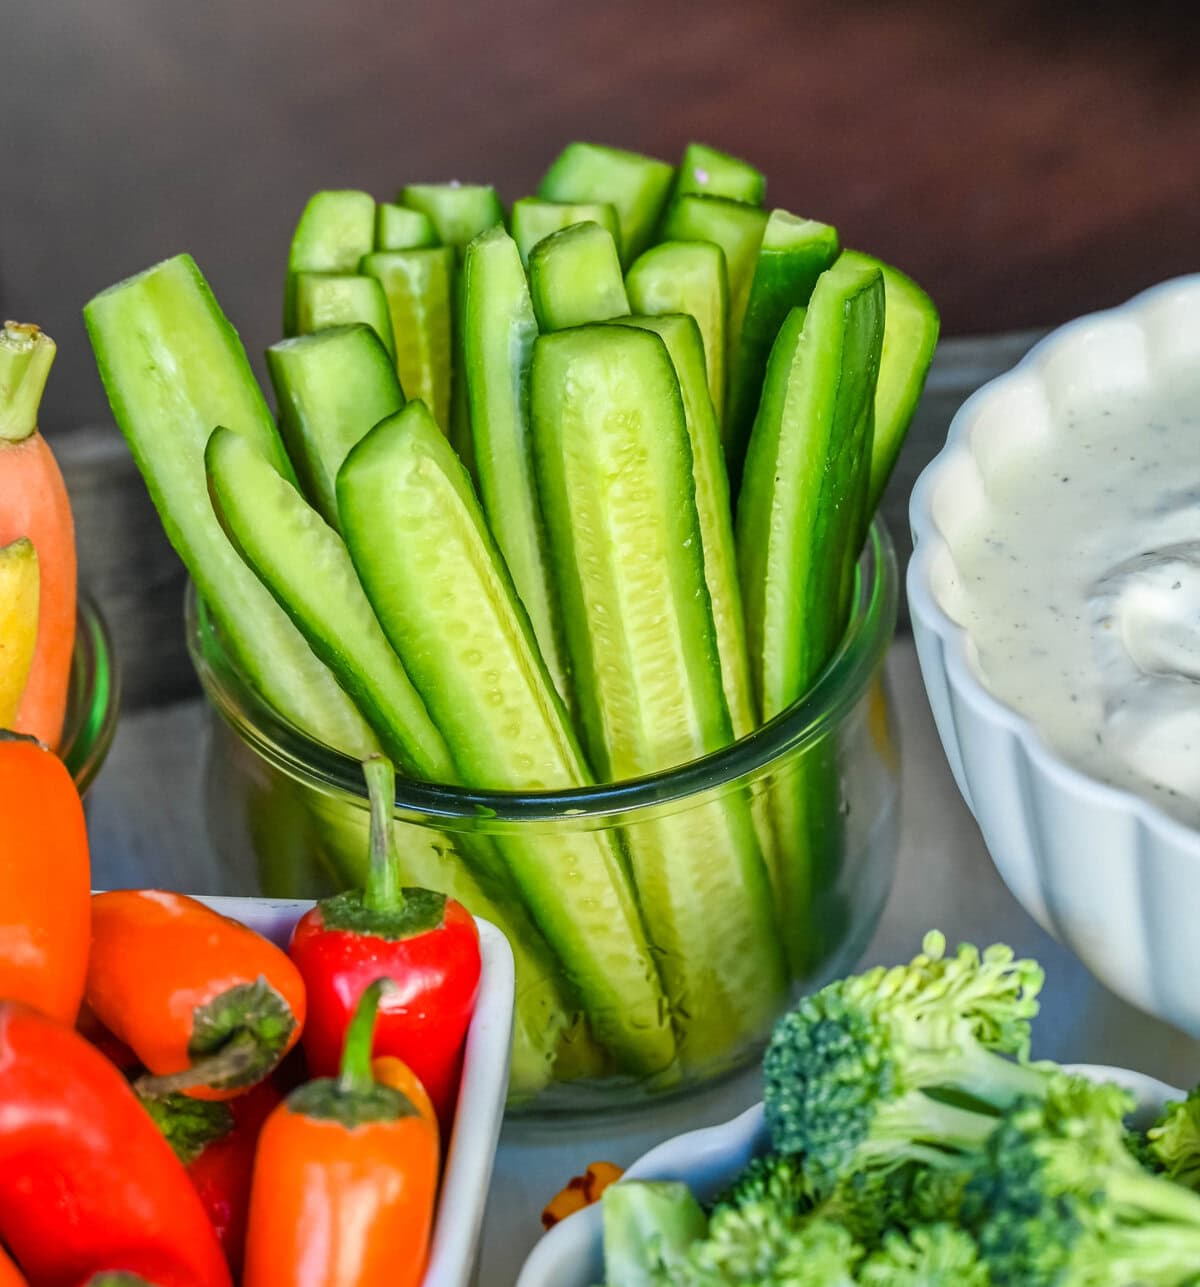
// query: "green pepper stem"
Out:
[236,1061]
[356,1077]
[384,892]
[26,356]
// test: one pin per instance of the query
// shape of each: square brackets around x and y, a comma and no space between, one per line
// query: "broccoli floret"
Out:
[1173,1142]
[756,1246]
[933,1255]
[649,1227]
[872,1202]
[1059,1201]
[862,1072]
[777,1178]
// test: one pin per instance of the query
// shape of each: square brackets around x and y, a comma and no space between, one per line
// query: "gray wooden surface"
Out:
[128,566]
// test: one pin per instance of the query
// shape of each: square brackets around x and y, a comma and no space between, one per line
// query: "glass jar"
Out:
[288,818]
[92,698]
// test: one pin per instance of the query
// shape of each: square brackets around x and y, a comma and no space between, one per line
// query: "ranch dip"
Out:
[1080,587]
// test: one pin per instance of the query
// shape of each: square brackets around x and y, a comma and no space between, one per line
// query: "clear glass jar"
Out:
[288,818]
[92,698]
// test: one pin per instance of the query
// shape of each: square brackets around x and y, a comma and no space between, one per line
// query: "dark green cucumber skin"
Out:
[173,367]
[575,278]
[499,330]
[335,230]
[586,909]
[534,220]
[671,278]
[706,172]
[637,186]
[324,300]
[399,228]
[910,336]
[331,388]
[784,277]
[459,212]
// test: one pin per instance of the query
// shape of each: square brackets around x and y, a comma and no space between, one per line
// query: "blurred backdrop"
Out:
[1024,161]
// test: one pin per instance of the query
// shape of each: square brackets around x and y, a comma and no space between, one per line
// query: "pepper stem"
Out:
[26,356]
[383,892]
[356,1077]
[235,1064]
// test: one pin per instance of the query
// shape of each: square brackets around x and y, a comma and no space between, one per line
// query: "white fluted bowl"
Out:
[572,1253]
[1107,872]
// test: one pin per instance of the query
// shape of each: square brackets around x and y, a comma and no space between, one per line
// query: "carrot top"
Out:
[26,356]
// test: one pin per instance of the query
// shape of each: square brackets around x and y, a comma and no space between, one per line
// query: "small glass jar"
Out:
[288,818]
[92,698]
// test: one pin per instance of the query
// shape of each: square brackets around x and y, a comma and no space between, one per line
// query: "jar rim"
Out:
[93,696]
[836,692]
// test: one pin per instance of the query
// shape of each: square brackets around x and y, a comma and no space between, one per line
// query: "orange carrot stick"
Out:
[34,504]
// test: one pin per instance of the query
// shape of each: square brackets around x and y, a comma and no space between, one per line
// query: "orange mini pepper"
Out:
[209,1006]
[345,1179]
[579,1192]
[45,881]
[10,1275]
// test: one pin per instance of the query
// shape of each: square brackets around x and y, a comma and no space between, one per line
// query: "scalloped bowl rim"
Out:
[711,1156]
[929,543]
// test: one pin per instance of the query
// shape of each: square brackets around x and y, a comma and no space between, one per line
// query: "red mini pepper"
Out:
[208,1006]
[425,943]
[87,1183]
[216,1143]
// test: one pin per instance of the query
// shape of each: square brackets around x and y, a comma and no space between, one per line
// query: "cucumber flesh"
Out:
[706,172]
[341,299]
[459,212]
[331,388]
[687,277]
[443,596]
[627,551]
[910,335]
[681,335]
[335,230]
[419,288]
[635,185]
[399,228]
[304,564]
[738,229]
[793,254]
[533,220]
[802,472]
[499,329]
[173,367]
[575,278]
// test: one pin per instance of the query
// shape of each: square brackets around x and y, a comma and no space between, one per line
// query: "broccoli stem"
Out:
[917,1119]
[1150,1195]
[976,1071]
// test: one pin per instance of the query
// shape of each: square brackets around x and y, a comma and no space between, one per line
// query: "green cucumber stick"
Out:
[173,367]
[331,388]
[323,300]
[442,593]
[575,278]
[910,334]
[630,572]
[399,228]
[681,335]
[419,288]
[636,186]
[304,564]
[706,172]
[738,229]
[534,219]
[794,252]
[498,329]
[335,230]
[687,277]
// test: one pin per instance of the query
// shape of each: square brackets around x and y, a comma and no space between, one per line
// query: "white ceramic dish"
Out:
[1108,873]
[481,1098]
[572,1253]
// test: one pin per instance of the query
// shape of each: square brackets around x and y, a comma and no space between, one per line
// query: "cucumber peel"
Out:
[533,220]
[441,592]
[331,388]
[173,367]
[340,299]
[706,172]
[335,230]
[687,277]
[575,278]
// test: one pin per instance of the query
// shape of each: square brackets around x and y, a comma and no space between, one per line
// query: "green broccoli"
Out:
[1173,1142]
[774,1177]
[864,1072]
[1059,1201]
[649,1226]
[933,1255]
[752,1246]
[872,1202]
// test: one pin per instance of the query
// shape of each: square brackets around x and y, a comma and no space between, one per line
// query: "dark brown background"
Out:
[1026,161]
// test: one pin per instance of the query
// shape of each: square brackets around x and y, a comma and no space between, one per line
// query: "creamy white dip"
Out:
[1080,587]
